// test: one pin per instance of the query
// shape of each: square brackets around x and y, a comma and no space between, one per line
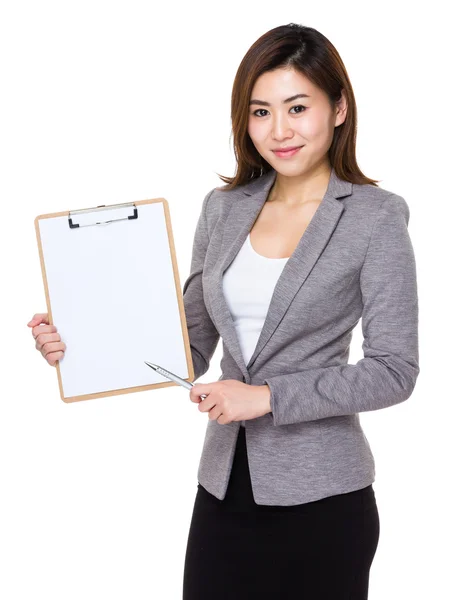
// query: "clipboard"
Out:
[112,289]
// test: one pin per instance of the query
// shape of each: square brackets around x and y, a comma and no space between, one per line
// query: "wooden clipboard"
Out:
[113,290]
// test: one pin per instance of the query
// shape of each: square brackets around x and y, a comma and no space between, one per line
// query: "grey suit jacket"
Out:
[355,260]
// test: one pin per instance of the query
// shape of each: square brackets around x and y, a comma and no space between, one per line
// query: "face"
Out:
[307,121]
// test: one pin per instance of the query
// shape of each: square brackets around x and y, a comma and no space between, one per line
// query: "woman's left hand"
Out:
[231,400]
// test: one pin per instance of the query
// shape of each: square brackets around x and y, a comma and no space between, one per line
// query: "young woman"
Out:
[287,257]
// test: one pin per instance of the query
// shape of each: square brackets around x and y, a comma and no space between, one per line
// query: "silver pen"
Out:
[187,384]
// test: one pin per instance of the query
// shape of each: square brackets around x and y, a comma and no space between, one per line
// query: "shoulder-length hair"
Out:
[313,55]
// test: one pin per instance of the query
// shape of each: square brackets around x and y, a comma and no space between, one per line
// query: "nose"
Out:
[281,127]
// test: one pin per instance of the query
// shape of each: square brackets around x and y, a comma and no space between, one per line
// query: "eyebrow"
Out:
[263,103]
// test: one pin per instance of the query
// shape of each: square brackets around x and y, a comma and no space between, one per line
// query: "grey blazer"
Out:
[354,260]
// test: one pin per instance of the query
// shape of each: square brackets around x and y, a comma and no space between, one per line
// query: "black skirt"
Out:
[240,550]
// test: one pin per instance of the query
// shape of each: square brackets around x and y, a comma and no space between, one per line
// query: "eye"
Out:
[264,109]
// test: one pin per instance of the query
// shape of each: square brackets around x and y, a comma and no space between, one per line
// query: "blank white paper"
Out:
[113,299]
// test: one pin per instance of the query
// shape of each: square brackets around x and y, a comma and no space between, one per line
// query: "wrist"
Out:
[266,392]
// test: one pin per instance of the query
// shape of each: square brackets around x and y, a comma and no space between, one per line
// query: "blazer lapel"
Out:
[239,222]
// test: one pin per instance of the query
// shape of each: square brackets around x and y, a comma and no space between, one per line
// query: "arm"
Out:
[387,374]
[203,337]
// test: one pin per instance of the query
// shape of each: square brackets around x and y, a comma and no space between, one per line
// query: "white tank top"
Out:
[248,286]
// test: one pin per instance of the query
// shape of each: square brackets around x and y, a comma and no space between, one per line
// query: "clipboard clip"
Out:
[85,211]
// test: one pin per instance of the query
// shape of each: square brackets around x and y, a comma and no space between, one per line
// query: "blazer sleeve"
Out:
[388,372]
[203,337]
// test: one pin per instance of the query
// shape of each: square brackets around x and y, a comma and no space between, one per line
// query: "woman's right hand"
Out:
[47,339]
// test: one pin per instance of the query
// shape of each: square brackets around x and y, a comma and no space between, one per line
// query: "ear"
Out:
[341,109]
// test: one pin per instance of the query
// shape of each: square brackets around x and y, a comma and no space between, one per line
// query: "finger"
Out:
[215,413]
[39,329]
[197,399]
[44,338]
[39,318]
[194,397]
[53,357]
[51,347]
[197,391]
[206,404]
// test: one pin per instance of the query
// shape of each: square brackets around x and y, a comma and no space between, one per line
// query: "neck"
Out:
[301,189]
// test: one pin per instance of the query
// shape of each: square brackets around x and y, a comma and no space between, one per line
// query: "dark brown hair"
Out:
[312,54]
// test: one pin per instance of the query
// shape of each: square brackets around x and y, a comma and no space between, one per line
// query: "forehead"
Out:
[281,83]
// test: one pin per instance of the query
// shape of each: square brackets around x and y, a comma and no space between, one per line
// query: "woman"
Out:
[287,257]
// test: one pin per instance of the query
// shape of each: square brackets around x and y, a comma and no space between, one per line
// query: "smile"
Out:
[288,153]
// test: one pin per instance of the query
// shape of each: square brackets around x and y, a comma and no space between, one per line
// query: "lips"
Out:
[286,153]
[286,149]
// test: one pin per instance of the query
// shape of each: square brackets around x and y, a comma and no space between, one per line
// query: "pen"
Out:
[187,384]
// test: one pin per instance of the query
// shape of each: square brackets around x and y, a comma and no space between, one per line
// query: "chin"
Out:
[290,170]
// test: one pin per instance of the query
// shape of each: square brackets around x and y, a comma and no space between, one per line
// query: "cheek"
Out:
[309,128]
[313,126]
[317,138]
[256,131]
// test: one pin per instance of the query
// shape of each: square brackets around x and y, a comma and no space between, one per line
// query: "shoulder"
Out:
[371,202]
[218,201]
[221,194]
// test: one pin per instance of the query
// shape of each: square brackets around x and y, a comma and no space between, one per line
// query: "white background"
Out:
[115,102]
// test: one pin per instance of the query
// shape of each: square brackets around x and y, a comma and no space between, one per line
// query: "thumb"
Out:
[39,318]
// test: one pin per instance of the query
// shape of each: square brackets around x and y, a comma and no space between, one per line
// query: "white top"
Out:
[248,286]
